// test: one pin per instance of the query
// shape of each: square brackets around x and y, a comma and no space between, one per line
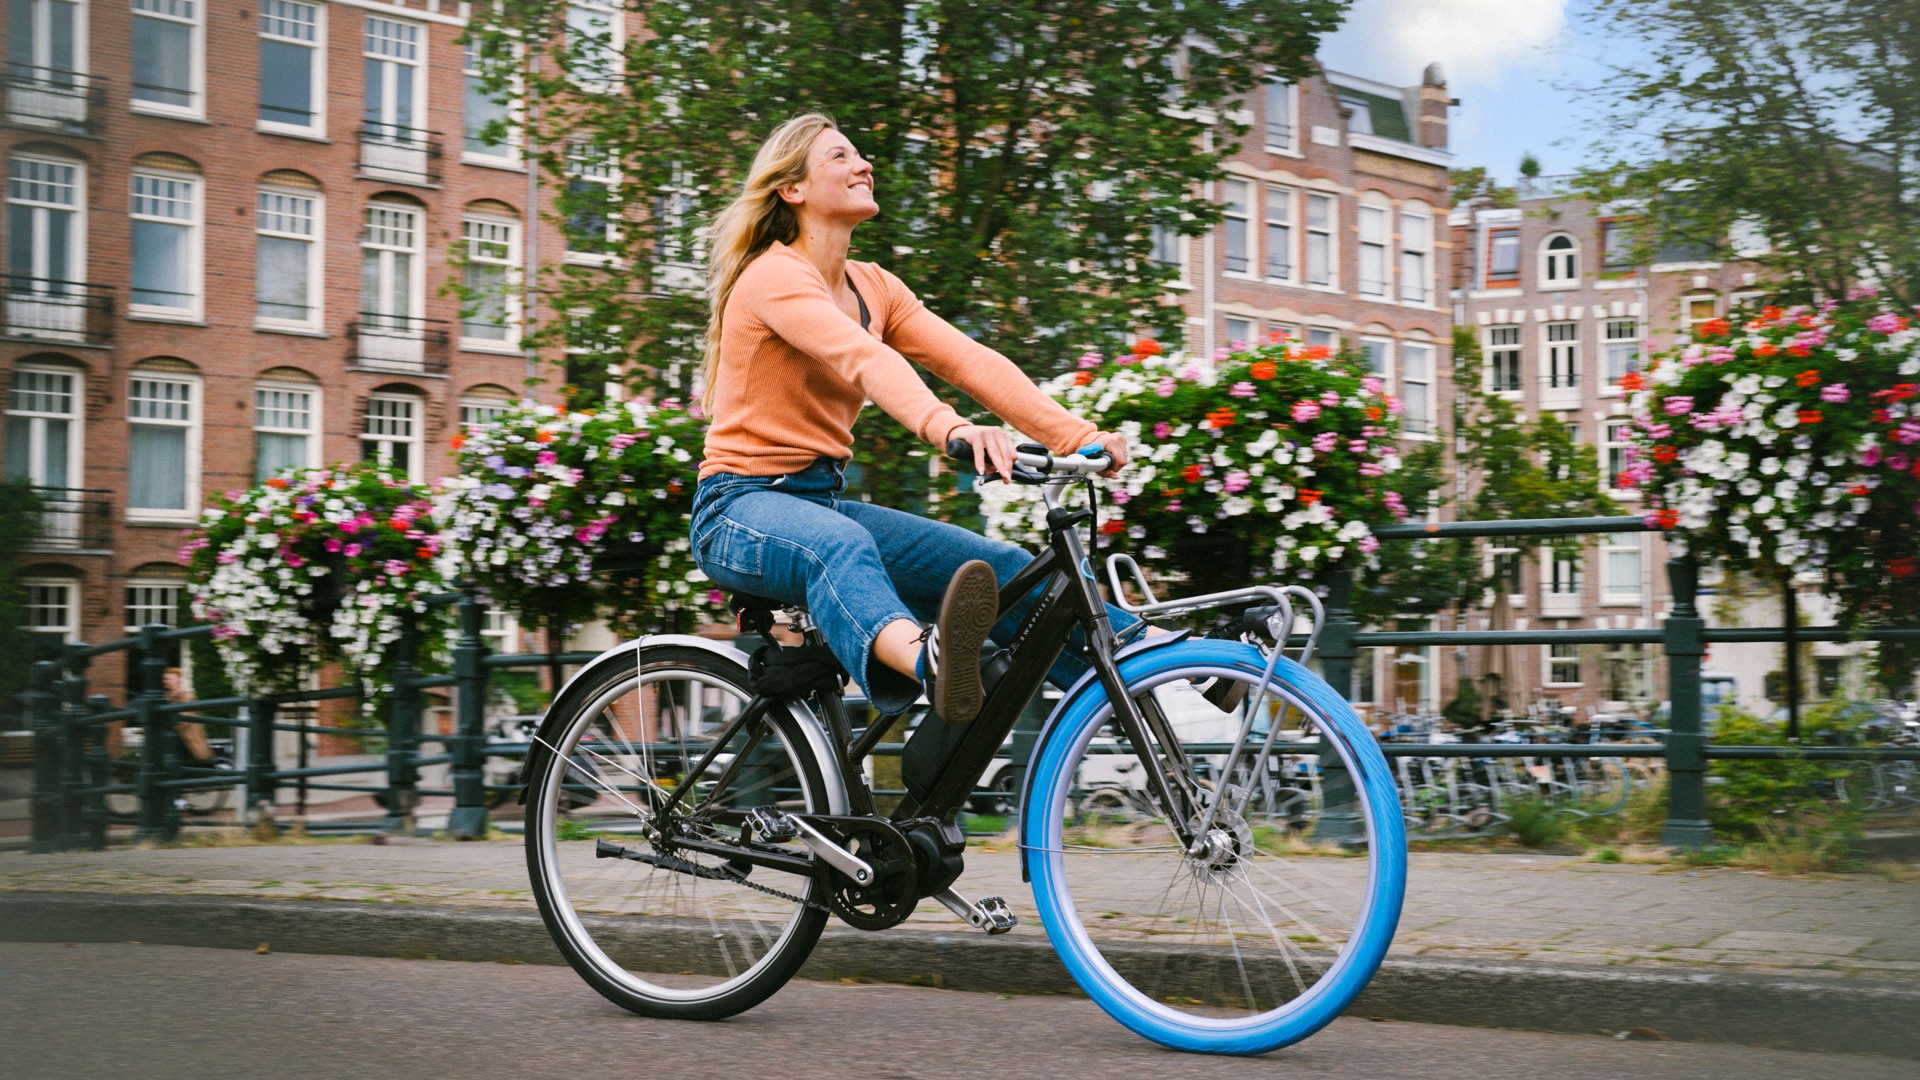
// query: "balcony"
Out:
[49,99]
[1560,390]
[72,519]
[71,312]
[398,343]
[402,154]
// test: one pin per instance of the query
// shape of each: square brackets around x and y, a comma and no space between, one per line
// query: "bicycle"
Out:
[730,815]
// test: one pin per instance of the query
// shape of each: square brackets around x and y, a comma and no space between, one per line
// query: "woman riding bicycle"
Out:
[800,337]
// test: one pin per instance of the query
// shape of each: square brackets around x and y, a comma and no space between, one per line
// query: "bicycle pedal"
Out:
[772,824]
[998,917]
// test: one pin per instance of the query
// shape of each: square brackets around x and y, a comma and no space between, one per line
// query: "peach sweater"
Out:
[795,371]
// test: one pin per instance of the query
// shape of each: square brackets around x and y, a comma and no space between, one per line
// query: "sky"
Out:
[1513,64]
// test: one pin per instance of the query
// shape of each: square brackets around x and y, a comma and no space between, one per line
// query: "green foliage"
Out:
[1536,822]
[1778,800]
[1466,710]
[19,523]
[1792,121]
[1023,150]
[1477,183]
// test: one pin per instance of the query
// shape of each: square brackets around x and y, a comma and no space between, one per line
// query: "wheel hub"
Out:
[1220,856]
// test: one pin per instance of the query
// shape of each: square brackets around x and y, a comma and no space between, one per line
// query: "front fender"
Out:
[818,741]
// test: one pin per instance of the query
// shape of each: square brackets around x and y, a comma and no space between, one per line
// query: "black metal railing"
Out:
[53,99]
[394,151]
[73,519]
[42,309]
[397,342]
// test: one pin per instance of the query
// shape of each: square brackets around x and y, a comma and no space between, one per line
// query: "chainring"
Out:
[894,891]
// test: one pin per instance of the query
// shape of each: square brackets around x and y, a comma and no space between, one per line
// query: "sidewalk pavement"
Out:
[1527,941]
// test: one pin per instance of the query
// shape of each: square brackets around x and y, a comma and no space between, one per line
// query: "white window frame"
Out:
[1326,233]
[1622,590]
[1553,663]
[41,58]
[509,269]
[311,432]
[20,192]
[1561,345]
[1418,373]
[413,320]
[1619,338]
[1279,237]
[1384,369]
[1560,267]
[1237,211]
[1494,236]
[274,218]
[35,472]
[1416,254]
[478,412]
[1166,239]
[606,82]
[1329,337]
[1688,319]
[387,446]
[1561,582]
[1615,437]
[69,627]
[1249,330]
[191,404]
[1516,558]
[143,595]
[1374,233]
[509,151]
[582,168]
[1285,96]
[1611,228]
[1497,345]
[169,11]
[388,131]
[277,17]
[194,223]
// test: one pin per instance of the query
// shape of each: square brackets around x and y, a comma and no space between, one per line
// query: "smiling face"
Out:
[839,183]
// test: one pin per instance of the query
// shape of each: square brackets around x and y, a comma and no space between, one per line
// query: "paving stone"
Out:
[1789,941]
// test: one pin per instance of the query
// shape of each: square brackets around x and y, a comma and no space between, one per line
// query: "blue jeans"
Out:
[855,566]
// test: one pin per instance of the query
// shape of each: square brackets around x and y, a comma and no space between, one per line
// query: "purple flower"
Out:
[494,462]
[1835,392]
[226,558]
[1304,411]
[1242,390]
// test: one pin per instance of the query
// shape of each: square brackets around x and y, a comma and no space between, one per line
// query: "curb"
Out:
[1782,1011]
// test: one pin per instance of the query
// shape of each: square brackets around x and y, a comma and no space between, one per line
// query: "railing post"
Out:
[159,815]
[43,721]
[262,714]
[73,771]
[469,819]
[89,814]
[1340,821]
[1685,645]
[403,730]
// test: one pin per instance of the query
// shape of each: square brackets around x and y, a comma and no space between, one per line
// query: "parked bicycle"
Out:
[739,818]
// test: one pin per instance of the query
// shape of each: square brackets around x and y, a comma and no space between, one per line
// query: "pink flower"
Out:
[1862,292]
[546,457]
[226,558]
[1367,544]
[715,597]
[1304,411]
[1870,456]
[1330,398]
[1242,390]
[1173,506]
[1358,446]
[1835,392]
[1898,462]
[1395,405]
[1324,442]
[1165,388]
[295,561]
[1372,468]
[1678,405]
[1884,323]
[1235,482]
[1120,497]
[1372,385]
[395,567]
[332,545]
[352,551]
[1162,429]
[1089,360]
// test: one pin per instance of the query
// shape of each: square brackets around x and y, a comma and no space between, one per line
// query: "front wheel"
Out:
[1251,937]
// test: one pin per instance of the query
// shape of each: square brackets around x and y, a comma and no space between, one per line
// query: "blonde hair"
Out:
[751,223]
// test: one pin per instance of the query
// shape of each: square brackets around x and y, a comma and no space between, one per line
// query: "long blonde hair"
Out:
[752,222]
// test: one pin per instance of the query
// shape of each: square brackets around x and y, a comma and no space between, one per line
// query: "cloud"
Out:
[1476,41]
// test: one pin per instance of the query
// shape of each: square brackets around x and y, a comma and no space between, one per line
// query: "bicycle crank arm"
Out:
[834,855]
[989,914]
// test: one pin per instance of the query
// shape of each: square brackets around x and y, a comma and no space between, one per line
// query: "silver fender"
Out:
[810,726]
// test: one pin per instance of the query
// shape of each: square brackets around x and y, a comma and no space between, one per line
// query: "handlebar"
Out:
[1032,464]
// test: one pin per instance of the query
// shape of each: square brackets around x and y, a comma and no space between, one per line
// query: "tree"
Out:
[1024,151]
[1787,131]
[1477,183]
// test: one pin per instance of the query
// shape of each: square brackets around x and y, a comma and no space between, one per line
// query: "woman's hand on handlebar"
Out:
[992,449]
[1116,447]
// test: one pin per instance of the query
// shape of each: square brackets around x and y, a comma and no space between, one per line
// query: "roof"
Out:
[1384,116]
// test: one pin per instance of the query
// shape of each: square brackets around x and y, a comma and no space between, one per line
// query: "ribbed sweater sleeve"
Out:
[788,295]
[992,379]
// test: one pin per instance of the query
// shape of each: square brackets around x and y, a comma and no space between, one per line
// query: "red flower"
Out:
[543,436]
[1374,412]
[457,441]
[1309,496]
[1799,350]
[423,553]
[1809,377]
[1316,352]
[1714,328]
[1109,528]
[1264,369]
[1904,566]
[276,482]
[1146,347]
[398,525]
[1632,381]
[1665,455]
[1765,348]
[1276,336]
[1082,378]
[1810,416]
[1221,417]
[1666,519]
[1191,474]
[1859,489]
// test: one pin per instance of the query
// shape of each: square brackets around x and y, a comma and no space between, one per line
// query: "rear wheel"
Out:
[641,896]
[1251,937]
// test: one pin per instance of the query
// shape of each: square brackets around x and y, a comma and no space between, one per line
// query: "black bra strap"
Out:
[864,318]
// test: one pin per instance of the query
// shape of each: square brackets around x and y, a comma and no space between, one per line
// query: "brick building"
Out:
[229,239]
[1335,205]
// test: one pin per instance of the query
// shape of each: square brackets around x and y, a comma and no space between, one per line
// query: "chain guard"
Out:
[894,892]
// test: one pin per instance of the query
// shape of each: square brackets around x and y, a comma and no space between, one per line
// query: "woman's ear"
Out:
[791,194]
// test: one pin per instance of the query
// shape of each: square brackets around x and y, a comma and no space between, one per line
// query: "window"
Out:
[45,252]
[1416,387]
[1322,337]
[1376,353]
[162,447]
[1827,672]
[152,601]
[1416,254]
[1618,437]
[1373,250]
[1745,304]
[1620,348]
[285,428]
[166,244]
[1282,104]
[1616,247]
[1503,359]
[46,60]
[1507,570]
[1563,576]
[488,116]
[1563,664]
[1168,247]
[1560,261]
[1620,568]
[1698,309]
[392,435]
[395,85]
[1503,258]
[594,54]
[1237,198]
[291,66]
[1320,269]
[676,242]
[1563,355]
[287,267]
[477,412]
[166,56]
[1360,114]
[589,203]
[489,310]
[43,427]
[391,302]
[53,615]
[1240,332]
[1280,233]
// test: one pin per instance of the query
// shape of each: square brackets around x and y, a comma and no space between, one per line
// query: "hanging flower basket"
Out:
[1790,442]
[1266,463]
[313,567]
